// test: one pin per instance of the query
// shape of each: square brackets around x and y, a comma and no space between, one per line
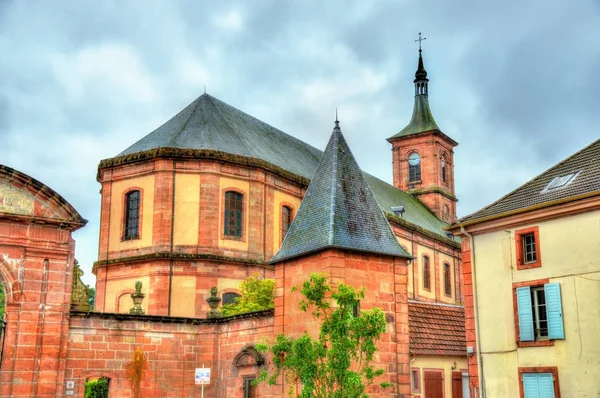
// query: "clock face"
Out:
[414,159]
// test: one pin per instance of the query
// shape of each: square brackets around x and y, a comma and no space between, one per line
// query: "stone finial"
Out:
[80,293]
[137,298]
[213,302]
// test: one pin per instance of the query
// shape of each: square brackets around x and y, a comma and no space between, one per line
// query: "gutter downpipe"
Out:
[482,393]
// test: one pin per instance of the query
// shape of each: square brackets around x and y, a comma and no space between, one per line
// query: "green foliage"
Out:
[337,364]
[2,301]
[96,388]
[92,297]
[256,295]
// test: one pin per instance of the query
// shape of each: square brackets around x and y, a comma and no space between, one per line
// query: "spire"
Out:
[422,120]
[421,74]
[339,210]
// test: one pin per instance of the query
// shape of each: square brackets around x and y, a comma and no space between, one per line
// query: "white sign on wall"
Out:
[202,376]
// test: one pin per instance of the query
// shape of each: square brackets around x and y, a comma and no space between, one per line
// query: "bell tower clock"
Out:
[423,156]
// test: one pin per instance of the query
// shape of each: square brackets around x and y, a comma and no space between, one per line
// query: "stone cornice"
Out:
[178,256]
[171,319]
[178,153]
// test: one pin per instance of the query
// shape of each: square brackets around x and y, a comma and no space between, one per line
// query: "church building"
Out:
[214,196]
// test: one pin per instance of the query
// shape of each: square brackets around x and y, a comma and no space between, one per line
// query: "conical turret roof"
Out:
[339,210]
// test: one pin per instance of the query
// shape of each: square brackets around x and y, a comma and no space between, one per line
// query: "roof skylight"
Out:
[560,182]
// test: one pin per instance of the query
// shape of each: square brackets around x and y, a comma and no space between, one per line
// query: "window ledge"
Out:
[128,239]
[537,343]
[537,264]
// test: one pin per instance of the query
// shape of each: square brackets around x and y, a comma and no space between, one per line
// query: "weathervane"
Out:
[420,39]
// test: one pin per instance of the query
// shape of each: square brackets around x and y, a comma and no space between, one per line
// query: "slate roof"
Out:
[339,210]
[436,329]
[209,123]
[585,164]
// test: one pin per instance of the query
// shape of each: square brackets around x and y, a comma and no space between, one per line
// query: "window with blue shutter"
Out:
[540,312]
[538,385]
[554,311]
[525,314]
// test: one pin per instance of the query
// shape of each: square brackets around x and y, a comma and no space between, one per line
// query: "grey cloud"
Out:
[515,83]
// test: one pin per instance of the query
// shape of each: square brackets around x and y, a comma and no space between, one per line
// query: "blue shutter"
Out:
[525,313]
[530,385]
[546,385]
[538,385]
[554,311]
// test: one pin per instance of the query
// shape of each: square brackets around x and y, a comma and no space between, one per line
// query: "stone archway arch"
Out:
[10,281]
[248,356]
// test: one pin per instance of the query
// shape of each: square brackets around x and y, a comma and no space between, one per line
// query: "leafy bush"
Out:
[96,388]
[256,295]
[336,364]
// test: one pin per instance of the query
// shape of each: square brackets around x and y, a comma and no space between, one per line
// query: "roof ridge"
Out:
[537,177]
[332,204]
[196,103]
[456,306]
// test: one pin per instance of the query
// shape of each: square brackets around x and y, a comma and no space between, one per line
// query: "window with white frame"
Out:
[539,310]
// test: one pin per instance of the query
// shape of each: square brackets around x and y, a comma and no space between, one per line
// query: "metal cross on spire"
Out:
[420,39]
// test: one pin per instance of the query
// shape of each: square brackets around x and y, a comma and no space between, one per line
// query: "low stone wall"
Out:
[103,345]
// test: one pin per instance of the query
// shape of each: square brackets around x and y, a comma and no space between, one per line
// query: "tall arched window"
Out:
[286,220]
[443,169]
[233,214]
[414,167]
[132,215]
[426,274]
[447,280]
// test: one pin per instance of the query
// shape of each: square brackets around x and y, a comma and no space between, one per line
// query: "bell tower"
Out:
[423,156]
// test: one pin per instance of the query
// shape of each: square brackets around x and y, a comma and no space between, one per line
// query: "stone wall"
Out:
[103,345]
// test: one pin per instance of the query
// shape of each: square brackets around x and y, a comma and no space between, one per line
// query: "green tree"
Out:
[256,295]
[92,297]
[337,364]
[2,301]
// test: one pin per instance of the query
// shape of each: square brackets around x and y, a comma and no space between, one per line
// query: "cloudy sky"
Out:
[516,83]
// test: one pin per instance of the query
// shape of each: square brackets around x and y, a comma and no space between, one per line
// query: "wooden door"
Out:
[433,384]
[457,390]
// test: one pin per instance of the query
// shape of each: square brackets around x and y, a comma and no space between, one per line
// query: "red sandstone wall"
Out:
[386,284]
[470,315]
[103,345]
[430,147]
[36,270]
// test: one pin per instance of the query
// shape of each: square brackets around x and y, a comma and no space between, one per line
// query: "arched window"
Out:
[426,274]
[286,220]
[414,167]
[447,280]
[132,215]
[229,298]
[443,169]
[233,214]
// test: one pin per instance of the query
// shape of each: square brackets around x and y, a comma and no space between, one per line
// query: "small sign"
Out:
[202,376]
[70,392]
[70,385]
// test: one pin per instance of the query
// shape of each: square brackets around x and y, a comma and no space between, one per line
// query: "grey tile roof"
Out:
[585,164]
[208,123]
[339,210]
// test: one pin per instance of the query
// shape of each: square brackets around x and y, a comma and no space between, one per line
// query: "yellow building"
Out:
[532,285]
